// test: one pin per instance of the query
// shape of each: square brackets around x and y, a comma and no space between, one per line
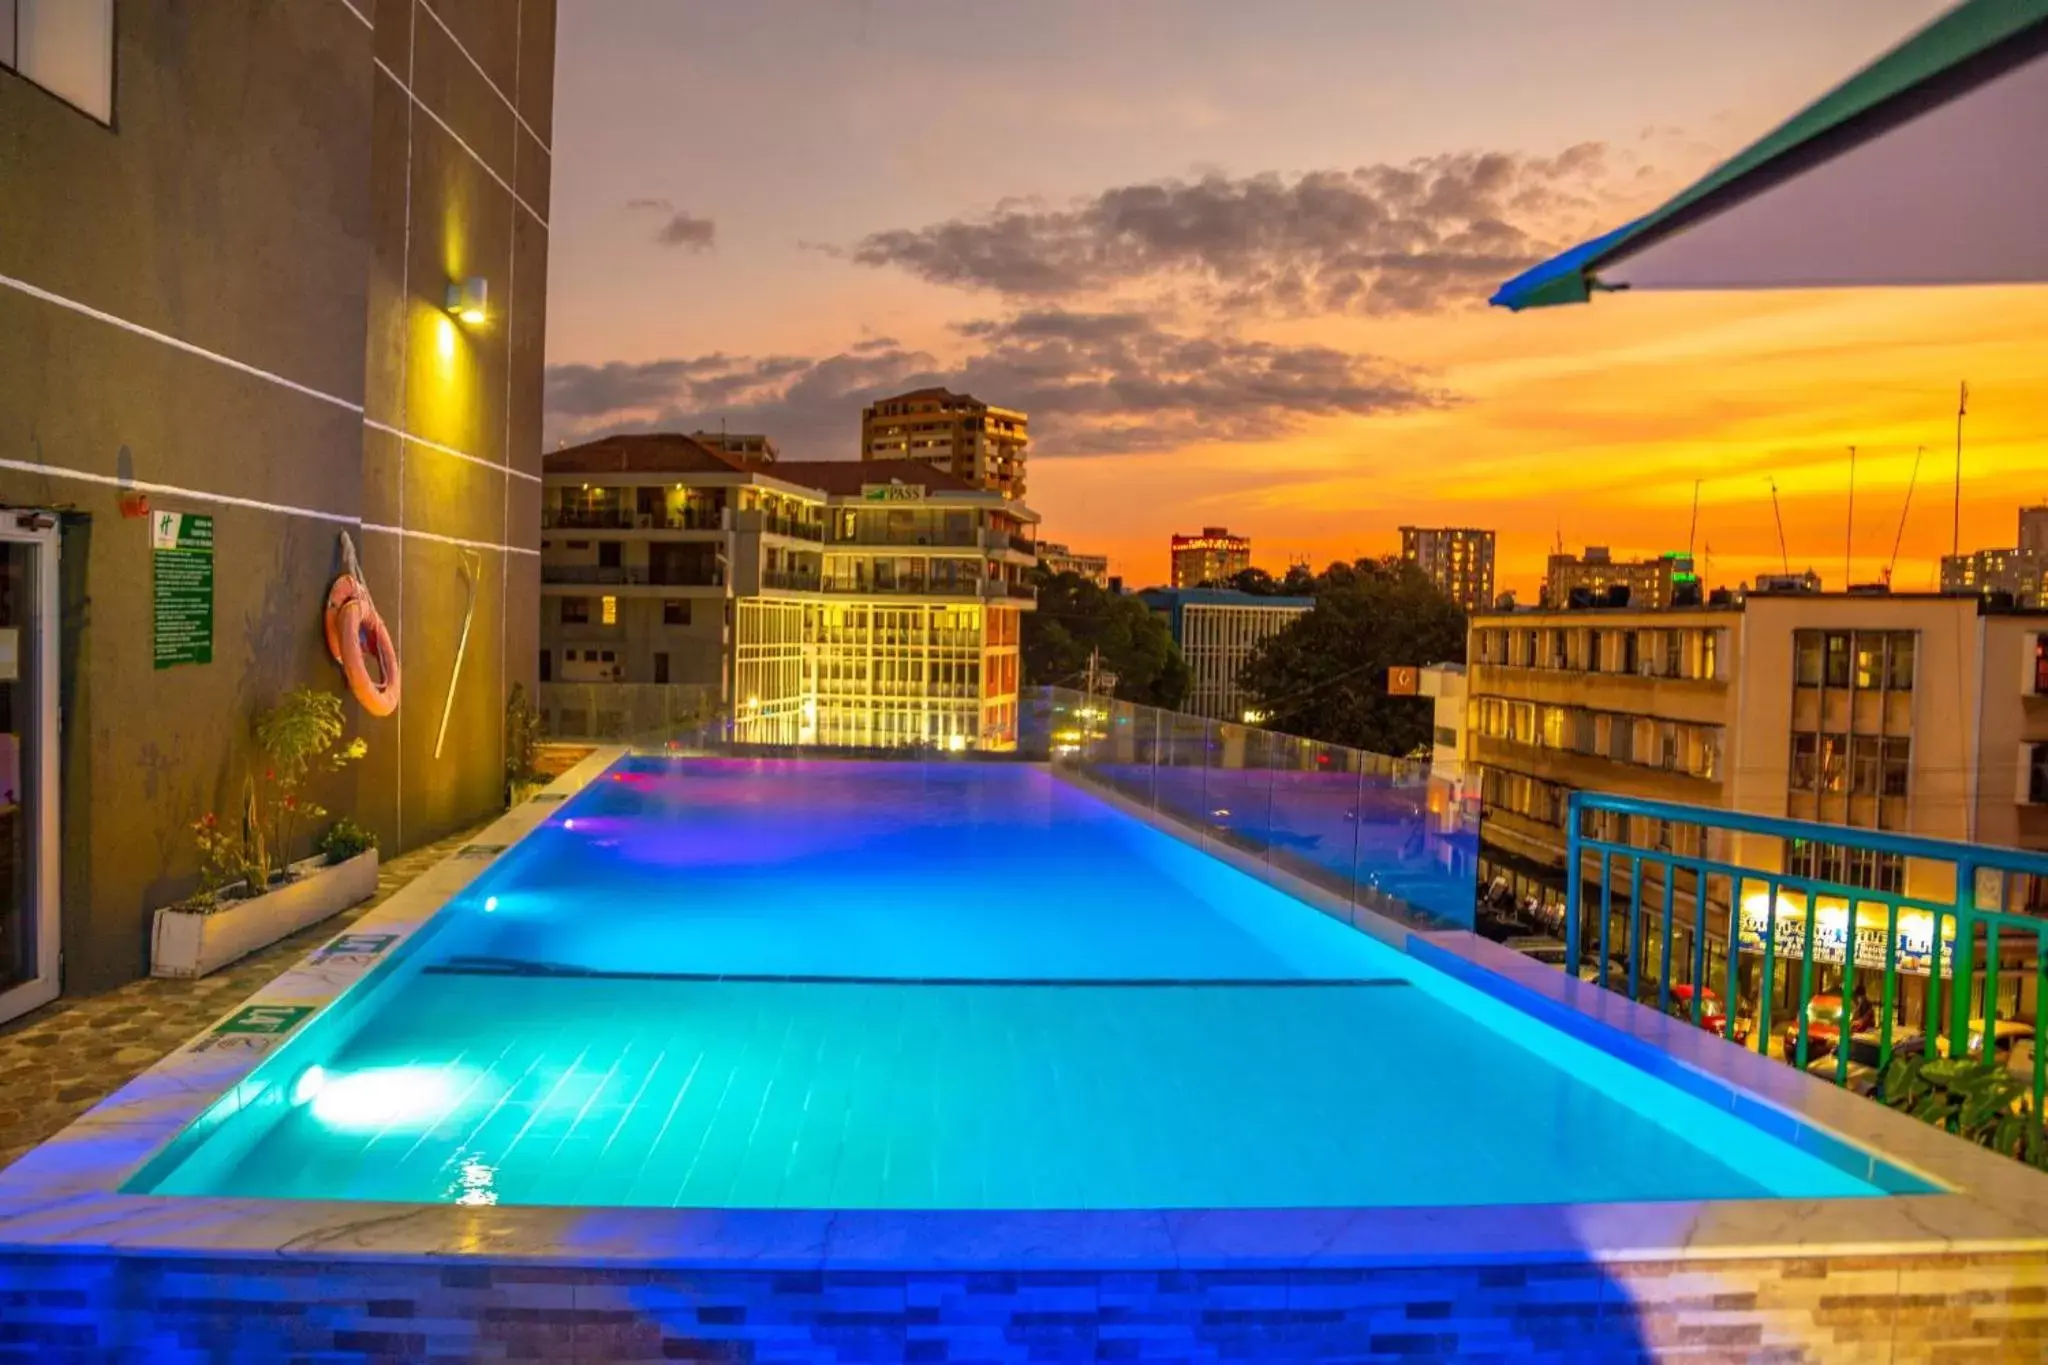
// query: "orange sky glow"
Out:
[1233,259]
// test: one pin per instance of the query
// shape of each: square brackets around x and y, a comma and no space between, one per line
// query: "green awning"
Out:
[1929,166]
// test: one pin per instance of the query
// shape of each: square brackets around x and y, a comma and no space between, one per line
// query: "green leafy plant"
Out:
[299,739]
[1977,1100]
[345,839]
[522,740]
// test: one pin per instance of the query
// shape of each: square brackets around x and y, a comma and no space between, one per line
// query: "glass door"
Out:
[28,763]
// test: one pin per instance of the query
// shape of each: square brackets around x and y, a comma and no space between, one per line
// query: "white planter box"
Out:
[188,943]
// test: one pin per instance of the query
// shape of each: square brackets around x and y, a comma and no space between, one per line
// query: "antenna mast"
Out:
[1900,538]
[1692,533]
[1784,558]
[1849,534]
[1955,536]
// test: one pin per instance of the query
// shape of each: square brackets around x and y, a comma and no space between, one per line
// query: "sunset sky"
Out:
[1233,260]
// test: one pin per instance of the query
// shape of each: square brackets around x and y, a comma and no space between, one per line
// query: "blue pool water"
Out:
[738,983]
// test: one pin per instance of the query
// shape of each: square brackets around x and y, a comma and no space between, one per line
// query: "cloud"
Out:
[1094,383]
[678,228]
[1426,235]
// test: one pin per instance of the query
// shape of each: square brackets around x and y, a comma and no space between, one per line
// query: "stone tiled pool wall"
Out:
[1893,1309]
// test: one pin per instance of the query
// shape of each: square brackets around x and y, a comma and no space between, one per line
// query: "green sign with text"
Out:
[182,548]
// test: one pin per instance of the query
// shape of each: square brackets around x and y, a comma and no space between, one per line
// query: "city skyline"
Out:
[1162,266]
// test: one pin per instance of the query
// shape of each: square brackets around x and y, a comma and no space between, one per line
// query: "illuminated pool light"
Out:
[383,1098]
[309,1084]
[490,904]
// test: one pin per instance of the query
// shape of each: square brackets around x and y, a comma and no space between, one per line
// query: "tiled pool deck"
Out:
[87,1273]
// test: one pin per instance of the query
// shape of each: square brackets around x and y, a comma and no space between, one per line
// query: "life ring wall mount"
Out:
[358,639]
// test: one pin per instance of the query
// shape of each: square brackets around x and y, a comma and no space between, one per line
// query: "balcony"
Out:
[967,539]
[626,519]
[632,576]
[587,518]
[788,581]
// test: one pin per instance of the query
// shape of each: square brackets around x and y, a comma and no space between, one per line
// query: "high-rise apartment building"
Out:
[1217,630]
[814,602]
[1459,560]
[2020,572]
[1921,713]
[752,447]
[1650,582]
[271,274]
[1058,558]
[956,433]
[1213,556]
[2034,530]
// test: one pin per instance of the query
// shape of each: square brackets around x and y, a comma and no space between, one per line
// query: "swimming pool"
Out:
[728,983]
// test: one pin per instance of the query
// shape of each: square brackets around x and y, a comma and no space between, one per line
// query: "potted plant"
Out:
[522,740]
[251,892]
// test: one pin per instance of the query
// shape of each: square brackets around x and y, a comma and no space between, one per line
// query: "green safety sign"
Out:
[265,1019]
[181,545]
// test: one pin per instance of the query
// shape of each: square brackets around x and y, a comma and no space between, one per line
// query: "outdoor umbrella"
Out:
[1929,166]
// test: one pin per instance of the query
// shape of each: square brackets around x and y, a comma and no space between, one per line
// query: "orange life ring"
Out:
[355,632]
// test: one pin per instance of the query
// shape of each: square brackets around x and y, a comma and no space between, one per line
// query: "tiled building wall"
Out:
[460,162]
[231,300]
[1903,1310]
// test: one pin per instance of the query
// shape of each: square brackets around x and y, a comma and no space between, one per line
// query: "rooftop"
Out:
[1221,597]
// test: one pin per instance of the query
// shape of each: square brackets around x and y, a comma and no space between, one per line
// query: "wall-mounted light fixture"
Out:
[467,299]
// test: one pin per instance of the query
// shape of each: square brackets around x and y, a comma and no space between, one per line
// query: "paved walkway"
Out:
[60,1060]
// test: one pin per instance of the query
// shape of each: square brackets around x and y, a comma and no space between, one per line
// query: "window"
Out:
[1834,763]
[1621,736]
[1846,866]
[610,554]
[675,611]
[1626,662]
[611,611]
[2037,774]
[66,47]
[661,668]
[2041,665]
[1554,727]
[606,656]
[1897,764]
[1836,659]
[1805,762]
[1710,654]
[575,611]
[1899,660]
[1667,746]
[1869,655]
[1674,653]
[1446,737]
[1863,764]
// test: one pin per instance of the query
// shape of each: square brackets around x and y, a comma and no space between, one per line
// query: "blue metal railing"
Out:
[1771,916]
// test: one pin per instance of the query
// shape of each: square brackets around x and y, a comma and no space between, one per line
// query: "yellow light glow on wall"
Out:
[611,611]
[444,338]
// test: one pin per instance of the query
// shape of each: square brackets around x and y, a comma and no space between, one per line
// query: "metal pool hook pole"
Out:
[472,568]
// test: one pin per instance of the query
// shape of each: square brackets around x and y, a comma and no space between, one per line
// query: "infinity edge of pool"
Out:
[71,1193]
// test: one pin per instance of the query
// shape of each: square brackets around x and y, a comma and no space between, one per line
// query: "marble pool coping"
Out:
[65,1197]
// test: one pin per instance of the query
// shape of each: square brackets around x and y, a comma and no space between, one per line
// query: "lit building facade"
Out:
[811,602]
[1217,630]
[1459,560]
[2021,573]
[231,234]
[1924,713]
[977,443]
[1650,582]
[1058,558]
[1213,556]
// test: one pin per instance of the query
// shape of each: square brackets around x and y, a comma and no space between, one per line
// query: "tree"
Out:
[1075,617]
[1298,582]
[1325,675]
